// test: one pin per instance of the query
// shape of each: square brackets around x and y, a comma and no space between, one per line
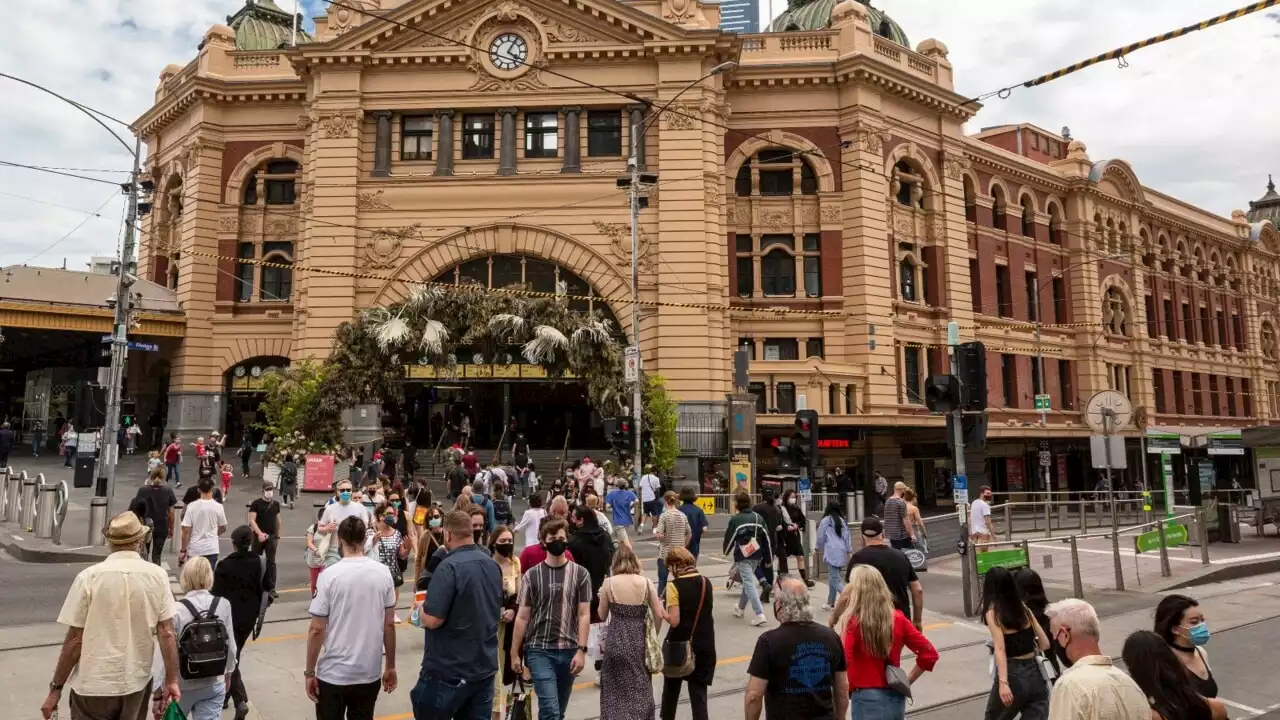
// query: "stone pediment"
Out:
[428,24]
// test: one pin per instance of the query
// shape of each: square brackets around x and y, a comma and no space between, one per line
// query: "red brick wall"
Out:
[832,245]
[827,138]
[731,241]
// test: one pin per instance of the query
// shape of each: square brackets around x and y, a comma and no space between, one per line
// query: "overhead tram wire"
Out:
[58,172]
[73,230]
[46,202]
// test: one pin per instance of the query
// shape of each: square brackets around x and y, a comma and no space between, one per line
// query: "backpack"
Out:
[204,644]
[502,512]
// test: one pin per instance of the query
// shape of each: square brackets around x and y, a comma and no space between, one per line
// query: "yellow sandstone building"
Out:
[828,174]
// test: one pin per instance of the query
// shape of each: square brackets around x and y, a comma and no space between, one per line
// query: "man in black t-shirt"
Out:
[193,494]
[894,567]
[264,520]
[798,668]
[158,499]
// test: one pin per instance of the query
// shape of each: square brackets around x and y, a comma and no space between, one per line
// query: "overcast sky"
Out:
[1196,117]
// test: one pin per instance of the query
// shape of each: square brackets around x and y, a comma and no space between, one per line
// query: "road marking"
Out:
[1238,706]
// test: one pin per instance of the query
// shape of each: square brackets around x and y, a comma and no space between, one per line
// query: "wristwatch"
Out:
[308,673]
[582,648]
[55,686]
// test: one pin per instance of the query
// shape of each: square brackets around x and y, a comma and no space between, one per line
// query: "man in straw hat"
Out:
[115,612]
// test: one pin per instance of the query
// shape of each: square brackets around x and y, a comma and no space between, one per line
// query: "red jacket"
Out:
[867,672]
[533,555]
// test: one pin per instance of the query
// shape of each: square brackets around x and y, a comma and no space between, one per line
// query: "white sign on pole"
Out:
[631,364]
[1045,458]
[1098,452]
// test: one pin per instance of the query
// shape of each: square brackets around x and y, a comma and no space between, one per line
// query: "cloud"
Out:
[1194,116]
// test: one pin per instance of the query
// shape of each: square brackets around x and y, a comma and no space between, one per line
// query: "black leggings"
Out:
[347,702]
[237,692]
[671,698]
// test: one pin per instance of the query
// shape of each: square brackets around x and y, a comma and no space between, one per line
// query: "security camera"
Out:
[129,279]
[112,301]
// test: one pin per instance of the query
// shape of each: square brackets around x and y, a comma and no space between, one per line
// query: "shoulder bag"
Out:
[896,679]
[677,655]
[397,577]
[652,648]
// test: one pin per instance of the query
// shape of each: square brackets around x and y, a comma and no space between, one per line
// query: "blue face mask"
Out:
[434,522]
[1199,634]
[345,496]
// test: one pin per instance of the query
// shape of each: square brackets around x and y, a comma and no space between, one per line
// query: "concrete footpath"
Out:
[274,663]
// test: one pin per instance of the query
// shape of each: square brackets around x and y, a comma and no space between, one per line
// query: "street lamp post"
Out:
[633,182]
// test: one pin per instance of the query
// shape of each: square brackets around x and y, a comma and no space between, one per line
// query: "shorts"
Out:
[620,533]
[653,508]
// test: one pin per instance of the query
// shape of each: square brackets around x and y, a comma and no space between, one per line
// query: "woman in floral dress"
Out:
[502,546]
[625,599]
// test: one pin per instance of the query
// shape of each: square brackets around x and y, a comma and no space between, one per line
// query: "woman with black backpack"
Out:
[239,581]
[206,646]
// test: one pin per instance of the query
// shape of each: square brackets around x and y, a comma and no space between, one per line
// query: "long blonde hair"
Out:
[870,601]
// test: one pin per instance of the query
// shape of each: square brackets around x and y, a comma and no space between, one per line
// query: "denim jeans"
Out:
[552,682]
[878,704]
[435,699]
[171,471]
[203,703]
[1030,693]
[750,591]
[835,582]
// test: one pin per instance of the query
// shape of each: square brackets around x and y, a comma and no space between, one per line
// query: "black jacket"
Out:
[772,516]
[592,548]
[238,580]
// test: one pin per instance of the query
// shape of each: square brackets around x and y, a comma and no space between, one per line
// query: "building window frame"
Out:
[478,134]
[275,284]
[541,140]
[785,392]
[911,375]
[604,133]
[417,137]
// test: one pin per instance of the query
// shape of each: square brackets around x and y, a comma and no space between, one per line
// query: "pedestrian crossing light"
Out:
[804,442]
[618,431]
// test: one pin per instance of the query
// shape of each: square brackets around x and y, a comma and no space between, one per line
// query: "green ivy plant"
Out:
[661,420]
[299,418]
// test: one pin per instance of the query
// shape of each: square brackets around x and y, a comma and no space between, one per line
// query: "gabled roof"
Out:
[262,25]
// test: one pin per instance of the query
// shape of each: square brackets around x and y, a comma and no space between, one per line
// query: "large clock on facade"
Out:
[508,51]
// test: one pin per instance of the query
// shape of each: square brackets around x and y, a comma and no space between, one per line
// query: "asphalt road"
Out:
[1239,657]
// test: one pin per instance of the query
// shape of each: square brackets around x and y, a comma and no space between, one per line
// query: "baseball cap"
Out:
[872,526]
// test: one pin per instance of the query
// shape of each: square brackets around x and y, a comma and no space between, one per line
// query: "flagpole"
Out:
[295,23]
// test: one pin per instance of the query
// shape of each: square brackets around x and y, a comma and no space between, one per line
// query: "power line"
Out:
[57,172]
[57,242]
[46,202]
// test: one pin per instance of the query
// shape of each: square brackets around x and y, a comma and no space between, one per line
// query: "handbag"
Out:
[652,648]
[521,707]
[896,679]
[397,577]
[173,712]
[1047,671]
[677,655]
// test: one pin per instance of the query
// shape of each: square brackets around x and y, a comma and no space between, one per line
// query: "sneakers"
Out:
[397,619]
[242,711]
[828,607]
[758,620]
[737,612]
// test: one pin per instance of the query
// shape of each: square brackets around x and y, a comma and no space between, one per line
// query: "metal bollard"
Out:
[46,505]
[1048,517]
[1202,534]
[12,491]
[27,506]
[63,497]
[1084,516]
[1008,522]
[1165,570]
[97,521]
[176,530]
[1077,584]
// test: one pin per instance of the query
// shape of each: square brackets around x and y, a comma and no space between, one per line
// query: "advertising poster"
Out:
[740,470]
[1015,475]
[318,476]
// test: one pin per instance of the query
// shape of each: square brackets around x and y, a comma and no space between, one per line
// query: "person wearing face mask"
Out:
[502,546]
[264,520]
[770,510]
[384,543]
[790,542]
[461,616]
[431,539]
[479,535]
[1162,677]
[555,616]
[1180,621]
[347,506]
[1093,687]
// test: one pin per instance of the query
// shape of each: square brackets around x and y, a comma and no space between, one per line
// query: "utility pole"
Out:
[637,400]
[960,482]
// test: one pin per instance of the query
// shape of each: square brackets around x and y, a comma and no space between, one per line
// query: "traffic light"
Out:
[785,451]
[618,431]
[942,393]
[646,446]
[805,440]
[974,428]
[971,370]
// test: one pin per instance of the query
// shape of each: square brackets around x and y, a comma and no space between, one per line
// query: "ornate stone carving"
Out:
[281,228]
[341,124]
[683,12]
[371,201]
[869,138]
[344,17]
[712,190]
[830,214]
[249,224]
[307,119]
[384,247]
[229,224]
[937,225]
[953,166]
[741,214]
[776,218]
[191,154]
[558,32]
[681,117]
[809,215]
[485,82]
[619,236]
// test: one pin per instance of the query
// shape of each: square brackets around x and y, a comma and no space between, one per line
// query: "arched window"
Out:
[777,177]
[534,274]
[778,273]
[908,185]
[970,200]
[999,208]
[274,180]
[277,272]
[1057,233]
[742,184]
[1116,313]
[1028,217]
[907,280]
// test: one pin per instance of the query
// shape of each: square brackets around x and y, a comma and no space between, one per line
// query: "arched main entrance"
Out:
[244,384]
[492,395]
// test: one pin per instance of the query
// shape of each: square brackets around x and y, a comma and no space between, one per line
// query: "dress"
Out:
[626,684]
[506,676]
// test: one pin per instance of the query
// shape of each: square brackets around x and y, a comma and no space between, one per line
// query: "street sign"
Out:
[1042,402]
[1174,535]
[134,344]
[1046,458]
[1119,405]
[631,364]
[1098,452]
[960,491]
[708,504]
[1010,558]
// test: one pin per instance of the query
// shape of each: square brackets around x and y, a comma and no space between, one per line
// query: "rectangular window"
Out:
[746,277]
[1197,394]
[1009,379]
[277,275]
[604,133]
[811,243]
[1170,321]
[1231,397]
[1036,382]
[781,349]
[1246,398]
[850,407]
[778,274]
[1003,299]
[813,277]
[1237,332]
[1035,141]
[1064,385]
[477,137]
[1153,325]
[975,286]
[757,389]
[1179,394]
[1033,299]
[786,398]
[1059,300]
[244,273]
[1222,329]
[1215,397]
[749,345]
[279,192]
[814,347]
[911,374]
[833,399]
[742,243]
[417,135]
[1206,327]
[540,140]
[777,182]
[1157,387]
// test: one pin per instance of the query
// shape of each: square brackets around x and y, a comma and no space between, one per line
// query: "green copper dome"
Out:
[802,15]
[262,25]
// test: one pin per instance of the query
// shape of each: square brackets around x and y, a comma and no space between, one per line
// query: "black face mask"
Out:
[557,547]
[476,535]
[505,549]
[1061,652]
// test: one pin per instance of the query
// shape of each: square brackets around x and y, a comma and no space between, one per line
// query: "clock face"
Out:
[508,51]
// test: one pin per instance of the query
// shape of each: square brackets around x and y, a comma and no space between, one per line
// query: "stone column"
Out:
[444,153]
[572,140]
[507,153]
[362,425]
[636,113]
[382,144]
[194,414]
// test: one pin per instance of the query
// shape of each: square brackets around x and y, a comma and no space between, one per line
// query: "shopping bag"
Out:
[173,712]
[594,649]
[521,707]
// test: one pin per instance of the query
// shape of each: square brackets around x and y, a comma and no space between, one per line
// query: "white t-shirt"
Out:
[979,513]
[204,517]
[649,487]
[337,512]
[354,594]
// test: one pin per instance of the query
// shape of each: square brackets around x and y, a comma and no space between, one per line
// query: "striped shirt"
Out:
[895,516]
[552,595]
[674,526]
